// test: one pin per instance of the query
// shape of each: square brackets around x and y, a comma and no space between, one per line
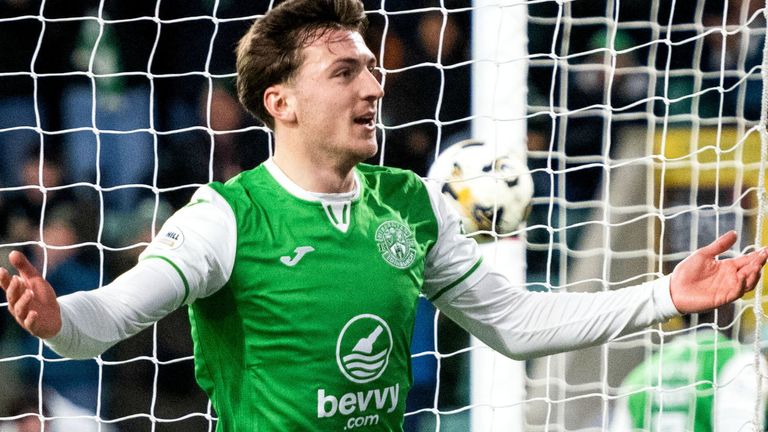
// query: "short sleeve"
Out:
[199,241]
[454,262]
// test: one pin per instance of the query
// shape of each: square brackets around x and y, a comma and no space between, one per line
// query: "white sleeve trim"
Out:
[662,298]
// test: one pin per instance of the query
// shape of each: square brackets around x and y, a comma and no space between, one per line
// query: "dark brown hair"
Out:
[271,51]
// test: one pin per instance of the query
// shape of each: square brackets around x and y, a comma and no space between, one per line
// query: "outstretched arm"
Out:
[522,324]
[86,323]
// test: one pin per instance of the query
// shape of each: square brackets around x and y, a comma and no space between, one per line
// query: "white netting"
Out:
[643,136]
[643,129]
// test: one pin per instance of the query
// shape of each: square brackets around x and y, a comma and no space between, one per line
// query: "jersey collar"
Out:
[306,195]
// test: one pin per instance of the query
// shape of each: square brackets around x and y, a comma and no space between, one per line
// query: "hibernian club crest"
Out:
[396,244]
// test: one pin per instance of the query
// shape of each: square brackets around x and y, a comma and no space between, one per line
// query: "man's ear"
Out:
[278,102]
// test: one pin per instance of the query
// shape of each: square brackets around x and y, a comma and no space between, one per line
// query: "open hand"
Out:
[31,299]
[701,282]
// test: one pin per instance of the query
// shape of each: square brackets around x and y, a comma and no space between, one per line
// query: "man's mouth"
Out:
[366,120]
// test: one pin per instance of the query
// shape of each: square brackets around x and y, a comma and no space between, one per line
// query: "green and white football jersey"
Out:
[302,315]
[302,304]
[680,385]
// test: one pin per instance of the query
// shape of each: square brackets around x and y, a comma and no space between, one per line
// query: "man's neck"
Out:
[314,175]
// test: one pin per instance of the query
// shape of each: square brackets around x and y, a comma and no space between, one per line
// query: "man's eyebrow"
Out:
[349,61]
[353,61]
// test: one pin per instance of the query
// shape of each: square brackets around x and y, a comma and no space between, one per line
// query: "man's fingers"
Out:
[5,278]
[752,258]
[15,289]
[756,258]
[722,244]
[750,272]
[21,308]
[761,256]
[29,322]
[751,282]
[22,264]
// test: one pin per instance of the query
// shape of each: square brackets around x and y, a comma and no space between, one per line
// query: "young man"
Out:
[302,275]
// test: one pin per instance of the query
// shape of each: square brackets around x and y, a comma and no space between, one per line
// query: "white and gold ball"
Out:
[491,192]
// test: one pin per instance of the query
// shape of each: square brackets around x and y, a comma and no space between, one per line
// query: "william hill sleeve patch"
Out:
[169,238]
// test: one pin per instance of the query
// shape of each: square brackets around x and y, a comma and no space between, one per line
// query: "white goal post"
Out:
[499,96]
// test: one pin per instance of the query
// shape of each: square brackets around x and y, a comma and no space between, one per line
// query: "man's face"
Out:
[335,93]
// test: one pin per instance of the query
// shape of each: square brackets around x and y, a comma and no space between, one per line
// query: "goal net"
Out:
[644,135]
[640,123]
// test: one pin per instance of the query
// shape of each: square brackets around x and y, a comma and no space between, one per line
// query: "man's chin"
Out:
[367,151]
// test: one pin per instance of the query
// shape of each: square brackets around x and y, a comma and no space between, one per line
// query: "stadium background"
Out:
[163,85]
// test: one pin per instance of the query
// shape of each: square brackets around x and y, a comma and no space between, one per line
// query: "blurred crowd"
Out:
[613,87]
[109,120]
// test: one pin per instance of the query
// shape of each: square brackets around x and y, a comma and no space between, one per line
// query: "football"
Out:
[490,194]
